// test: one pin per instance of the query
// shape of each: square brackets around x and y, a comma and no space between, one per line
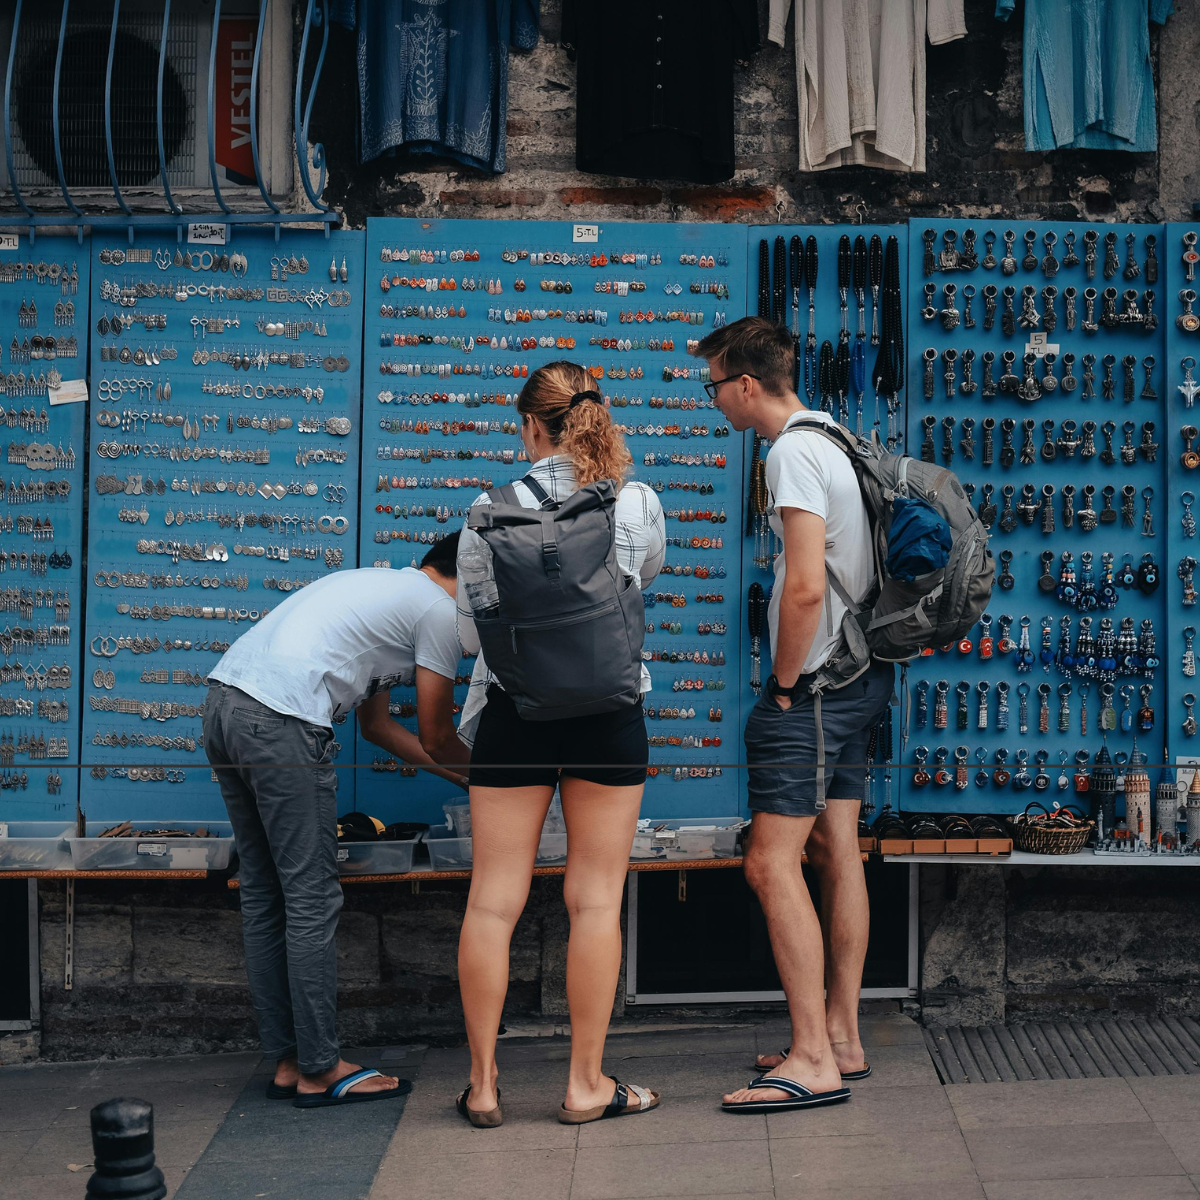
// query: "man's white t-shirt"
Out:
[808,472]
[341,639]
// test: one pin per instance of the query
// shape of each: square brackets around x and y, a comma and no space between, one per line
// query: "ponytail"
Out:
[562,396]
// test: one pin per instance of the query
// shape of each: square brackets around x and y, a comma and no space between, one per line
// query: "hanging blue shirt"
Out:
[433,74]
[1089,82]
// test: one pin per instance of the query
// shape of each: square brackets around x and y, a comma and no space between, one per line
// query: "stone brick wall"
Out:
[977,164]
[158,967]
[1035,943]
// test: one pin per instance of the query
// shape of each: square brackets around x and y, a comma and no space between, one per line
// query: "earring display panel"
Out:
[1182,455]
[840,291]
[224,461]
[458,314]
[1036,361]
[43,393]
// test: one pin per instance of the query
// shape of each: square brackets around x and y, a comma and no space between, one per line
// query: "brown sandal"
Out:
[618,1106]
[481,1120]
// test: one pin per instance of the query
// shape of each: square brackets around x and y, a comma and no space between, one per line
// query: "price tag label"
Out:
[70,391]
[343,855]
[585,233]
[153,849]
[206,233]
[9,241]
[1039,346]
[3,829]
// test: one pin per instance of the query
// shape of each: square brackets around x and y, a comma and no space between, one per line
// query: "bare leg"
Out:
[505,826]
[601,822]
[772,867]
[845,921]
[833,853]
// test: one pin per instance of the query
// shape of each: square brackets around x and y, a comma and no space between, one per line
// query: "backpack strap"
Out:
[539,493]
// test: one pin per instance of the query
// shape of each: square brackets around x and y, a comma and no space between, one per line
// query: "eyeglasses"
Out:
[713,385]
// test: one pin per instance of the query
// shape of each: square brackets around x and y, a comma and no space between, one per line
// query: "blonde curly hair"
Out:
[581,429]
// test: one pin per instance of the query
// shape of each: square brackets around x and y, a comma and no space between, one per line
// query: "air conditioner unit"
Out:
[134,98]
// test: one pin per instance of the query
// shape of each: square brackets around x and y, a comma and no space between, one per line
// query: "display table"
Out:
[1022,858]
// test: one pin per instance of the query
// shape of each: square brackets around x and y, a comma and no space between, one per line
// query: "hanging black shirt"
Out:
[655,86]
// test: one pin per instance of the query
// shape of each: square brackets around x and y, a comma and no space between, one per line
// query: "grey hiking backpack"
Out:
[563,632]
[901,617]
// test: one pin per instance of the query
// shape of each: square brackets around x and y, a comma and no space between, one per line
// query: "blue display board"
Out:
[459,313]
[781,286]
[1082,410]
[226,398]
[1181,385]
[43,347]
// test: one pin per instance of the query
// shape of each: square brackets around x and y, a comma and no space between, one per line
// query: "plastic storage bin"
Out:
[447,852]
[94,853]
[377,858]
[36,846]
[688,838]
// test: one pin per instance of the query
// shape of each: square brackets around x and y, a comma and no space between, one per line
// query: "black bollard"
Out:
[123,1141]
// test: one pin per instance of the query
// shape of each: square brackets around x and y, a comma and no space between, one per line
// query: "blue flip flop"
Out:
[340,1093]
[278,1091]
[798,1096]
[851,1075]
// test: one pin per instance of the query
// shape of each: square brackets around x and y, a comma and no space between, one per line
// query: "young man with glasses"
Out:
[817,513]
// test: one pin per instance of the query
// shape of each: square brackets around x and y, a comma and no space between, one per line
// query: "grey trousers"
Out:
[281,796]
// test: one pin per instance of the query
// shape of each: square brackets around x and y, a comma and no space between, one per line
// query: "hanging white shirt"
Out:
[860,76]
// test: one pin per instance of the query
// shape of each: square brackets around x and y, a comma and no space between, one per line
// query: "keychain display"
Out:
[1041,385]
[224,450]
[458,314]
[43,321]
[233,458]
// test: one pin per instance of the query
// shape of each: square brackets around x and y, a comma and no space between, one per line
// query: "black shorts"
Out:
[581,746]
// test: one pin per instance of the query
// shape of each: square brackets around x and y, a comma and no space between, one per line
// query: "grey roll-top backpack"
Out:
[564,635]
[899,618]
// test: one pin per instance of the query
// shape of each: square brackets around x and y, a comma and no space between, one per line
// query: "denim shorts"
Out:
[785,739]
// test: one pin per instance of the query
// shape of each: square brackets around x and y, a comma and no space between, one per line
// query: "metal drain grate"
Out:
[1065,1050]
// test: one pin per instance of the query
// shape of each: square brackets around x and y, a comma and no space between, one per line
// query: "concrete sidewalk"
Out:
[903,1136]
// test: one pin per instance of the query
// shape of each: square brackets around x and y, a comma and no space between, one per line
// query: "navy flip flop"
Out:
[276,1091]
[340,1093]
[798,1096]
[850,1075]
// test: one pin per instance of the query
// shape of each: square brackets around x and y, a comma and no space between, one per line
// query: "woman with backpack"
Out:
[552,566]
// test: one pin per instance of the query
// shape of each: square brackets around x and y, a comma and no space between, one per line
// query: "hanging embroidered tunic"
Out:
[1089,81]
[433,74]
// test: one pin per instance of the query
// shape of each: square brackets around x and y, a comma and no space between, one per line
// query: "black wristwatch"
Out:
[774,688]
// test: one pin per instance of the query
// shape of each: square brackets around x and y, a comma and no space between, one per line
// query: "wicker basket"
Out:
[1064,831]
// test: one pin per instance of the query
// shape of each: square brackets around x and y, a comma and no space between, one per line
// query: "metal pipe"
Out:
[258,177]
[58,158]
[162,148]
[8,80]
[316,15]
[108,139]
[212,108]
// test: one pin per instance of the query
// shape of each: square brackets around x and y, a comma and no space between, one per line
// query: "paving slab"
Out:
[873,1162]
[1185,1145]
[688,1168]
[1045,1102]
[1044,1152]
[1169,1097]
[680,1120]
[912,1110]
[512,1175]
[1155,1187]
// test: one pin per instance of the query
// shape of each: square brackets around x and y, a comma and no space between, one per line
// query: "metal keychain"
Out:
[990,292]
[968,385]
[1070,296]
[1188,521]
[1002,708]
[1189,653]
[1189,721]
[1089,377]
[1189,387]
[1008,264]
